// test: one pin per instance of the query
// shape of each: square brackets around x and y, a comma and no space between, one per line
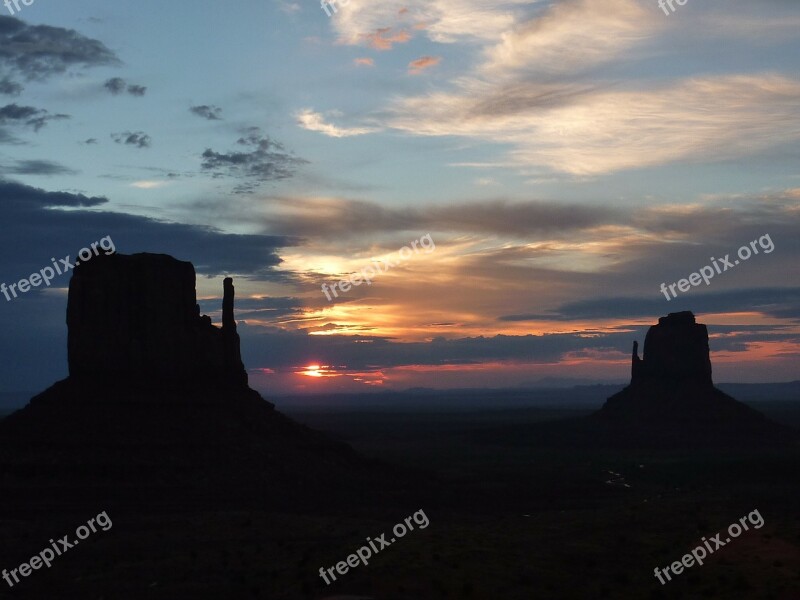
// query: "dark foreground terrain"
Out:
[508,518]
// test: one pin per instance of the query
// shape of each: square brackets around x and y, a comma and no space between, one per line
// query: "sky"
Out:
[516,179]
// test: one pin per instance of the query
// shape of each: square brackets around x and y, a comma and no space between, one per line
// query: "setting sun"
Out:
[312,371]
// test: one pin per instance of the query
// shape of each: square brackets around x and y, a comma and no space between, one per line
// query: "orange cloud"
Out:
[417,66]
[365,62]
[380,41]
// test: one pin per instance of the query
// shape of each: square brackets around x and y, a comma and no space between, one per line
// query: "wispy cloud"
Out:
[584,131]
[210,112]
[212,251]
[137,90]
[383,39]
[37,52]
[148,184]
[133,138]
[37,167]
[289,7]
[533,87]
[263,160]
[14,114]
[314,121]
[333,217]
[116,86]
[445,21]
[570,35]
[419,65]
[10,88]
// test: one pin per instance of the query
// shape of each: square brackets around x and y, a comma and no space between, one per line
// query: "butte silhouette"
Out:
[157,409]
[671,397]
[671,404]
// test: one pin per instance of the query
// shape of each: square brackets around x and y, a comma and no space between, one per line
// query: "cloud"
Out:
[291,349]
[138,138]
[314,121]
[148,184]
[443,21]
[265,160]
[89,141]
[262,308]
[210,112]
[37,52]
[380,39]
[10,88]
[535,85]
[541,253]
[335,218]
[777,302]
[38,122]
[7,138]
[14,112]
[14,194]
[43,230]
[585,130]
[37,167]
[364,62]
[562,35]
[117,86]
[419,65]
[37,118]
[289,7]
[572,35]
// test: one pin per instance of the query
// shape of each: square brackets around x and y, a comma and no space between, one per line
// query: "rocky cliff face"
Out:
[136,317]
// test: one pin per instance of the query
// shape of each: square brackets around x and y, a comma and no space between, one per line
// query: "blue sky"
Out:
[558,153]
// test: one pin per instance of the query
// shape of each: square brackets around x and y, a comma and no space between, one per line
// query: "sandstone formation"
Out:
[674,350]
[672,382]
[157,411]
[136,318]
